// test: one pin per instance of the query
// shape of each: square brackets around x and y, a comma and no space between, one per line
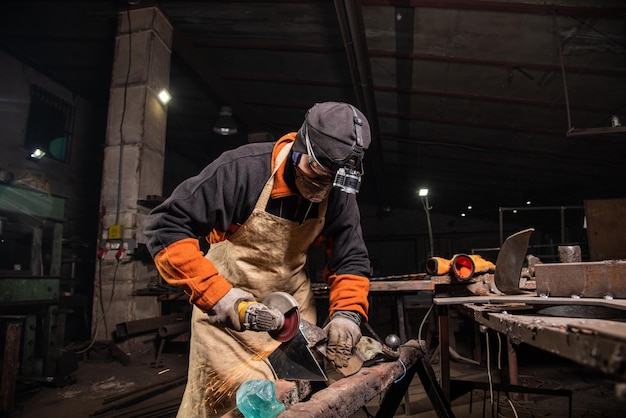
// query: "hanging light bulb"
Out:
[225,124]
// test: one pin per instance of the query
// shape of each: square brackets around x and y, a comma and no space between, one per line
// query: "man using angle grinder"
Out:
[260,207]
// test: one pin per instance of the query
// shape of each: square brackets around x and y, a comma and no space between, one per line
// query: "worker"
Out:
[260,208]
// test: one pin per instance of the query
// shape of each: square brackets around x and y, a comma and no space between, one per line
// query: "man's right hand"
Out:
[225,312]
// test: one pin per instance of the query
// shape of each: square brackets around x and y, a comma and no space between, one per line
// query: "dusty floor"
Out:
[593,394]
[98,383]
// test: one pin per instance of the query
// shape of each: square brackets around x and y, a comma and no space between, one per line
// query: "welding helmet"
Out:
[335,135]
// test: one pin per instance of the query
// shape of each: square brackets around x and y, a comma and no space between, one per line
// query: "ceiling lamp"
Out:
[225,124]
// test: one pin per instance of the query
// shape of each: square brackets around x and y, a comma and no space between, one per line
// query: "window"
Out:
[49,124]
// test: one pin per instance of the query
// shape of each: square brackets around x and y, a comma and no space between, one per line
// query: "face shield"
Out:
[348,171]
[313,183]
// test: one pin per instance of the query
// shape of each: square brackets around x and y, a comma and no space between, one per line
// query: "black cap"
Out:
[332,126]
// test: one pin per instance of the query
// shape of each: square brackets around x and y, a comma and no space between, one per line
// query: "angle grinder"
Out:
[278,314]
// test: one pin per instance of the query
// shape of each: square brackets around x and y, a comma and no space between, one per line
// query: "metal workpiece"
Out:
[347,395]
[597,279]
[509,262]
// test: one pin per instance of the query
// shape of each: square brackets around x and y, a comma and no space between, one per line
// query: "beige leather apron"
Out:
[266,254]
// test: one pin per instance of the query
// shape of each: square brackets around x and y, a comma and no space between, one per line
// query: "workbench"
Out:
[347,395]
[398,287]
[588,341]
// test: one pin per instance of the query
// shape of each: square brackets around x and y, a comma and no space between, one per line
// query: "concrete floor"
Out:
[593,394]
[97,381]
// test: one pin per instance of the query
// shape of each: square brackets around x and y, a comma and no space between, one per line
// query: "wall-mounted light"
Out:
[225,124]
[164,96]
[37,154]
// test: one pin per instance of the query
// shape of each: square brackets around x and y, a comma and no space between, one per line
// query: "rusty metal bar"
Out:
[140,326]
[121,395]
[359,388]
[596,279]
[171,330]
[141,396]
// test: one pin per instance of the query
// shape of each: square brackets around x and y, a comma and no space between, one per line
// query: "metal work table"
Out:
[398,287]
[347,395]
[595,343]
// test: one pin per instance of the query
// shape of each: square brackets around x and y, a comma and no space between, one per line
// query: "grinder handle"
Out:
[241,309]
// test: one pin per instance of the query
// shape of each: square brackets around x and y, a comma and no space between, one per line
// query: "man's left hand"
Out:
[344,332]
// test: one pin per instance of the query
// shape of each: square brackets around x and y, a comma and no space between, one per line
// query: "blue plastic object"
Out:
[257,399]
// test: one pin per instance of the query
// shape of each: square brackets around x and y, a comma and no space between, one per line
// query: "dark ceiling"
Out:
[489,103]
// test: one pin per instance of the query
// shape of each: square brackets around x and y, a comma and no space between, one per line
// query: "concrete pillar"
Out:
[133,168]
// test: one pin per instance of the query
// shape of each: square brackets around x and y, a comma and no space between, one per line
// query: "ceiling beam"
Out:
[203,69]
[615,72]
[539,8]
[497,99]
[413,91]
[350,18]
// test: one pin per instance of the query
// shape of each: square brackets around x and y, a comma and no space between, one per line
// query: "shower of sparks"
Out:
[221,387]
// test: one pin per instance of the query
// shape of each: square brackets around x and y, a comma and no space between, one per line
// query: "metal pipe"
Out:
[174,329]
[431,242]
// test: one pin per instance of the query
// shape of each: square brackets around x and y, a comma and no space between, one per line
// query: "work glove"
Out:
[465,266]
[225,312]
[438,266]
[344,332]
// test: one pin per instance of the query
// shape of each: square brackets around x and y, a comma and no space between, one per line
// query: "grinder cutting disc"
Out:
[288,306]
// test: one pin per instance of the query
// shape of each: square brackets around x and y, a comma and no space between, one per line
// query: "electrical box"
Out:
[115,232]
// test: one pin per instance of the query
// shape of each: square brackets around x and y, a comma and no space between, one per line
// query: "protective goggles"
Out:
[347,171]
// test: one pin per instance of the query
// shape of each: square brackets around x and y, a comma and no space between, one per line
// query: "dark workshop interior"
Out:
[498,143]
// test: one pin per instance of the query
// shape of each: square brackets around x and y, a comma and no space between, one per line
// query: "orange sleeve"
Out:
[182,264]
[349,292]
